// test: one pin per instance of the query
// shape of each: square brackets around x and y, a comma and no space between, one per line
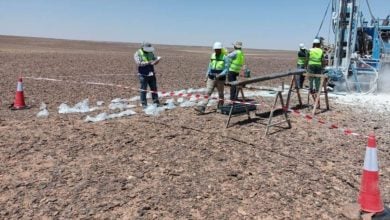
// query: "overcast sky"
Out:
[271,24]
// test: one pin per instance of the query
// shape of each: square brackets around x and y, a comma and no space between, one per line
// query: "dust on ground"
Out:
[177,165]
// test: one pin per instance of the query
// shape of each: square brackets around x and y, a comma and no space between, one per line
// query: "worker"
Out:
[236,60]
[301,64]
[146,60]
[315,65]
[215,76]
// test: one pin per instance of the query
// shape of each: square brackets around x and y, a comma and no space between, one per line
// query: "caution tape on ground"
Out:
[197,96]
[345,131]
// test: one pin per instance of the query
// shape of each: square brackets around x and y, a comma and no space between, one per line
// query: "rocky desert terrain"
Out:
[175,165]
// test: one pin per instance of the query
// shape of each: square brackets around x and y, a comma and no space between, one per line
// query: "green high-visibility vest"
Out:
[238,62]
[302,57]
[301,61]
[217,62]
[315,56]
[146,56]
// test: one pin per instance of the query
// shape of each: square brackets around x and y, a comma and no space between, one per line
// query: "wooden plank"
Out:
[322,76]
[265,78]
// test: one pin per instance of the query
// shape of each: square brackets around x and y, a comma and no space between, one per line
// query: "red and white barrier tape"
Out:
[345,131]
[163,93]
[308,117]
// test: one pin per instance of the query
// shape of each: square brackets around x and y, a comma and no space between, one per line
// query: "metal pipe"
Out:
[267,77]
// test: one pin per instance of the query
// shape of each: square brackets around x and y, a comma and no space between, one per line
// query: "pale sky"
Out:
[271,24]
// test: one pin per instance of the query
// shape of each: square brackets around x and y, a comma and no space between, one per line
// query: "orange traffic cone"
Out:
[369,198]
[19,97]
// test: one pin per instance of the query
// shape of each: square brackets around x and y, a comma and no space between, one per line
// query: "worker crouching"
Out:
[216,76]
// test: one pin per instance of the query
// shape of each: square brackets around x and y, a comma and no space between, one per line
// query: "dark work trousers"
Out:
[144,82]
[314,85]
[232,76]
[299,79]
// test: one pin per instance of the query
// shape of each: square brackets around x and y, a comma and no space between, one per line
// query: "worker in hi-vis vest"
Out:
[315,65]
[237,61]
[301,64]
[145,60]
[215,76]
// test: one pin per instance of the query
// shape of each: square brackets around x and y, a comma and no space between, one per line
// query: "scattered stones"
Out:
[173,166]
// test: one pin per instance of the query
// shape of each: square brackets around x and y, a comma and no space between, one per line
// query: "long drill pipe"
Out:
[268,77]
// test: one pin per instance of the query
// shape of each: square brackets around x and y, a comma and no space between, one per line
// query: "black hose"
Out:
[322,22]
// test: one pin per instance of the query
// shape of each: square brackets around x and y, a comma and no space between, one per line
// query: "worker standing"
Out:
[315,65]
[216,75]
[236,60]
[301,64]
[145,60]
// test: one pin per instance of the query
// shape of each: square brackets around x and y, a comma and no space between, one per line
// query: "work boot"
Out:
[144,106]
[220,104]
[157,103]
[200,109]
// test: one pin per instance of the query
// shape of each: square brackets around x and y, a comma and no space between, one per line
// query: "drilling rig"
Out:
[359,50]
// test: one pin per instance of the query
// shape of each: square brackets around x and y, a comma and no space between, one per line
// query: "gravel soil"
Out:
[177,165]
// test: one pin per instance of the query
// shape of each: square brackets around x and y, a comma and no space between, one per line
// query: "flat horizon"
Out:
[123,42]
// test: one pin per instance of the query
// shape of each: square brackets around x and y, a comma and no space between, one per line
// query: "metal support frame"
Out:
[316,96]
[241,91]
[278,99]
[293,88]
[286,119]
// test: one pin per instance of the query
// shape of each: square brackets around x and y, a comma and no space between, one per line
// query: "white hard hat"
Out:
[301,46]
[217,45]
[238,44]
[316,41]
[147,47]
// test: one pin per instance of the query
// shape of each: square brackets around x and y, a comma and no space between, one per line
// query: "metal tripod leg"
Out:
[278,96]
[293,86]
[239,90]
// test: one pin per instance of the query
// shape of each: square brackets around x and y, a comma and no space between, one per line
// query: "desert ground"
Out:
[176,165]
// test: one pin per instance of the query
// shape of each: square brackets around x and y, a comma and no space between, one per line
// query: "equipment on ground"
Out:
[19,103]
[245,106]
[370,198]
[238,108]
[360,48]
